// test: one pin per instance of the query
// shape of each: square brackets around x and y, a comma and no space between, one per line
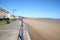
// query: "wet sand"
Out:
[43,29]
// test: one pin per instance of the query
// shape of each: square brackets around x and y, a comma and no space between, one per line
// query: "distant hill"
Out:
[56,19]
[47,19]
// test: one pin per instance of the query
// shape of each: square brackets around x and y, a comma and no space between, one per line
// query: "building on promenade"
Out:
[5,14]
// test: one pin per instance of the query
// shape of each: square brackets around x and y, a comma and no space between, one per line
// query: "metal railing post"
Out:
[22,29]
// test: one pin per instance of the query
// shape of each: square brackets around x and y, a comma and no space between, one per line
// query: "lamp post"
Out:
[13,14]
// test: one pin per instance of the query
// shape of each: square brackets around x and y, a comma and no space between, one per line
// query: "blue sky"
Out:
[33,8]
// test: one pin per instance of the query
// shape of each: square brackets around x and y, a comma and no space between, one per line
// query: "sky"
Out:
[33,8]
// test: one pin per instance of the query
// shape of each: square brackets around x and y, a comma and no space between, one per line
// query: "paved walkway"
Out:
[10,31]
[26,33]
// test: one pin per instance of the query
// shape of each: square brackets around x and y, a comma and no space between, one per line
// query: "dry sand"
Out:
[43,29]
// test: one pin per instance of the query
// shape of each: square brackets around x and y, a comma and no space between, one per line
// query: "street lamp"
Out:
[14,13]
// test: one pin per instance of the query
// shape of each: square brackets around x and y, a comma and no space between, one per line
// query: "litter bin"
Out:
[7,22]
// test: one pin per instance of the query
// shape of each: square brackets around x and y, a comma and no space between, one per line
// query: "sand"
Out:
[43,29]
